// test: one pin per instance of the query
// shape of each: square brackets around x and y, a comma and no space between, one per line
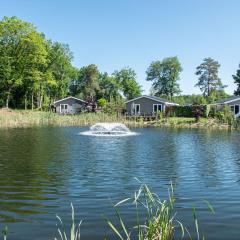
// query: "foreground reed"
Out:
[74,232]
[155,219]
[159,221]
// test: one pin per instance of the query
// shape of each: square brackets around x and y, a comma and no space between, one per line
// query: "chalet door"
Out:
[136,109]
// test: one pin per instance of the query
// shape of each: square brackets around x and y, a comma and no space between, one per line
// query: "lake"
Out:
[43,170]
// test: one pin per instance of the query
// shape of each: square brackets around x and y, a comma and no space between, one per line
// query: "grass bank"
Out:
[181,122]
[27,118]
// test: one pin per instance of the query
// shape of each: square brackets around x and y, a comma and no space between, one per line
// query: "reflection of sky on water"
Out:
[44,169]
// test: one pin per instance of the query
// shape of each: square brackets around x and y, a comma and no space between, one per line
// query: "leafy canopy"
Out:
[126,79]
[165,75]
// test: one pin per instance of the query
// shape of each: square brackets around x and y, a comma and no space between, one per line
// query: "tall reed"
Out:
[160,222]
[74,231]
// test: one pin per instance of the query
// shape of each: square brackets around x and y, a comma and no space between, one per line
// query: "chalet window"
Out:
[63,108]
[235,109]
[157,108]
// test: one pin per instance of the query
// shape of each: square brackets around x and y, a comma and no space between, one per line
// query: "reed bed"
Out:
[24,118]
[21,119]
[38,118]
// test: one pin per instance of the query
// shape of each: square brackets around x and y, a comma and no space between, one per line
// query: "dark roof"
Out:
[154,98]
[227,100]
[68,98]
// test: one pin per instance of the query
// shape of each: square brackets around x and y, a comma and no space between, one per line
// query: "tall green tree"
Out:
[126,78]
[165,75]
[88,82]
[61,72]
[109,87]
[22,55]
[209,80]
[236,79]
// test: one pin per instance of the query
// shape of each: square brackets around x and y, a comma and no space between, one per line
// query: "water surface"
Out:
[43,170]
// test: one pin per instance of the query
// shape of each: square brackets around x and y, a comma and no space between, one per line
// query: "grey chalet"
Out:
[69,105]
[147,105]
[233,102]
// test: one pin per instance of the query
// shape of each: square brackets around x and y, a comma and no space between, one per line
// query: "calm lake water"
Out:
[43,170]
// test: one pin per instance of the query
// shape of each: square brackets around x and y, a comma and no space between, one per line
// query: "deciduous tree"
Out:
[165,75]
[22,54]
[126,77]
[88,82]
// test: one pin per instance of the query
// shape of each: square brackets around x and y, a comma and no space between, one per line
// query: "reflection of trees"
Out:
[196,152]
[205,155]
[26,178]
[149,157]
[229,151]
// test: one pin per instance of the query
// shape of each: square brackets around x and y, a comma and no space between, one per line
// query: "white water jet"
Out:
[108,129]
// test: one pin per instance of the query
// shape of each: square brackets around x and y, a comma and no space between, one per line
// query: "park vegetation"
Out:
[35,71]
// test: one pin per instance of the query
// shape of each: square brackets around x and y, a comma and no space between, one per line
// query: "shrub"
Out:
[212,111]
[114,106]
[102,102]
[206,110]
[226,116]
[188,111]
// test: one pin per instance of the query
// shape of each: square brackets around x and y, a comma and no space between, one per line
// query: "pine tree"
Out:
[237,81]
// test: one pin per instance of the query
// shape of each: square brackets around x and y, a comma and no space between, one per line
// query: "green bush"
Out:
[206,110]
[188,111]
[213,111]
[102,102]
[226,116]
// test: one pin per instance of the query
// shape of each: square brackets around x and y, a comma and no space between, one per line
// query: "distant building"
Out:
[233,102]
[147,105]
[70,105]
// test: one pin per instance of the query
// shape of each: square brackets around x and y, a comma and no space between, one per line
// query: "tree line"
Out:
[35,71]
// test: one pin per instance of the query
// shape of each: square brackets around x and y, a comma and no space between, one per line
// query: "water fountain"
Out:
[108,129]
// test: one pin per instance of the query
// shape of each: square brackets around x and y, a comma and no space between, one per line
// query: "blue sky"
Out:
[117,33]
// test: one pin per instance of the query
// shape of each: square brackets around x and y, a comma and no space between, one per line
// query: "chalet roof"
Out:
[162,100]
[70,97]
[227,100]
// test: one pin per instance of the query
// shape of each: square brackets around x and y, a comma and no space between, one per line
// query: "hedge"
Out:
[188,111]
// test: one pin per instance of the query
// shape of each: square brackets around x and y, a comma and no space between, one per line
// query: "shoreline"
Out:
[29,118]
